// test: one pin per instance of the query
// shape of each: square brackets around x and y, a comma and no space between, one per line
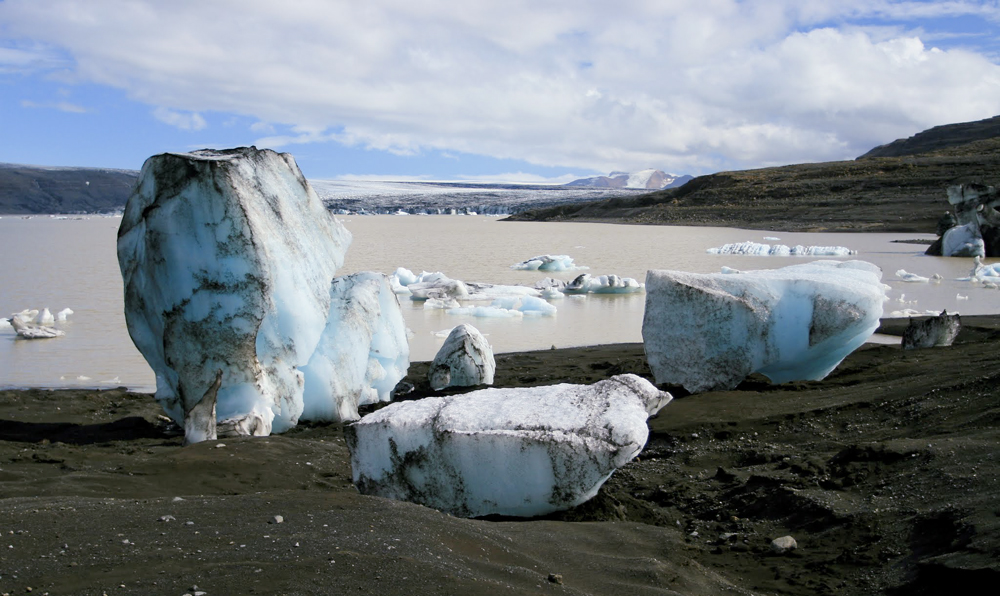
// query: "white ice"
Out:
[548,263]
[780,250]
[906,276]
[709,331]
[519,452]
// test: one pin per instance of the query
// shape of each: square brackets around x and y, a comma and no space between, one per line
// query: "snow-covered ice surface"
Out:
[780,250]
[362,353]
[520,452]
[709,331]
[227,258]
[465,359]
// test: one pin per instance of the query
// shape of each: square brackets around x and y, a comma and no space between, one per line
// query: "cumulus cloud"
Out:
[689,85]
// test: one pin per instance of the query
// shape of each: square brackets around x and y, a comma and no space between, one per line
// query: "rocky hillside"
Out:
[939,137]
[32,189]
[887,194]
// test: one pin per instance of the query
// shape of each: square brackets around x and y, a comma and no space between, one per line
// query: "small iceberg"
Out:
[548,263]
[780,250]
[908,277]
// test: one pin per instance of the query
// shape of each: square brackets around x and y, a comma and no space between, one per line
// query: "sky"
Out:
[507,90]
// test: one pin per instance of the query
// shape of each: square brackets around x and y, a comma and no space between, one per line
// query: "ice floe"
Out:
[780,250]
[548,263]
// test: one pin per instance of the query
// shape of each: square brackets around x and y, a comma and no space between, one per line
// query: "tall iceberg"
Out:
[227,259]
[709,331]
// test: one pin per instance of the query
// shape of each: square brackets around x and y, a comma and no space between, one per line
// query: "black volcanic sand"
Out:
[885,473]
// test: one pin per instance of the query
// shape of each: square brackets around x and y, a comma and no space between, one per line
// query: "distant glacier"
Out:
[434,198]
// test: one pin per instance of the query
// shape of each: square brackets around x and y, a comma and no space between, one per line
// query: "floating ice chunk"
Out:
[552,294]
[27,329]
[604,284]
[963,241]
[440,303]
[437,285]
[961,297]
[362,353]
[981,272]
[227,258]
[531,305]
[404,276]
[465,359]
[612,284]
[486,312]
[771,238]
[61,315]
[45,318]
[780,250]
[906,276]
[483,291]
[521,452]
[548,263]
[710,331]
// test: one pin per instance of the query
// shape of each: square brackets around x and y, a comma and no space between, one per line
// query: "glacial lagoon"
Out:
[72,262]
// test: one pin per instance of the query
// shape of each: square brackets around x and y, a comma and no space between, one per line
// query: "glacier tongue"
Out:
[522,452]
[709,331]
[227,258]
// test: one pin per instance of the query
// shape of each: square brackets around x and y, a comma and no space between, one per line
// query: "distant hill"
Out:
[939,137]
[645,180]
[881,194]
[36,189]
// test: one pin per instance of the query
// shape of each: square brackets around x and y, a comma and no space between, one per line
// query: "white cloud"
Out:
[62,106]
[190,121]
[686,86]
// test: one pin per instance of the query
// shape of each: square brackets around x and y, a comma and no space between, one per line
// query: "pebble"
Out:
[277,519]
[783,545]
[167,518]
[556,578]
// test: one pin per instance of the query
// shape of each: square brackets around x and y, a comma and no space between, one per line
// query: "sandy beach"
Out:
[885,473]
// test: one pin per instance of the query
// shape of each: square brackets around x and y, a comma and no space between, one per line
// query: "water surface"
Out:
[58,263]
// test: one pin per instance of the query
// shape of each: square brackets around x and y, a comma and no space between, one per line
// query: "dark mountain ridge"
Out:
[874,194]
[36,189]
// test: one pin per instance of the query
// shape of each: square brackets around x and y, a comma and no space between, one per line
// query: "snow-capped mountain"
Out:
[643,180]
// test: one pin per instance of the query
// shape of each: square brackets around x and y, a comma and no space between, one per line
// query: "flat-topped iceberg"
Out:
[709,331]
[780,250]
[227,259]
[520,452]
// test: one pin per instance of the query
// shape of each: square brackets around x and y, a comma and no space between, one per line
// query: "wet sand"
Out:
[885,473]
